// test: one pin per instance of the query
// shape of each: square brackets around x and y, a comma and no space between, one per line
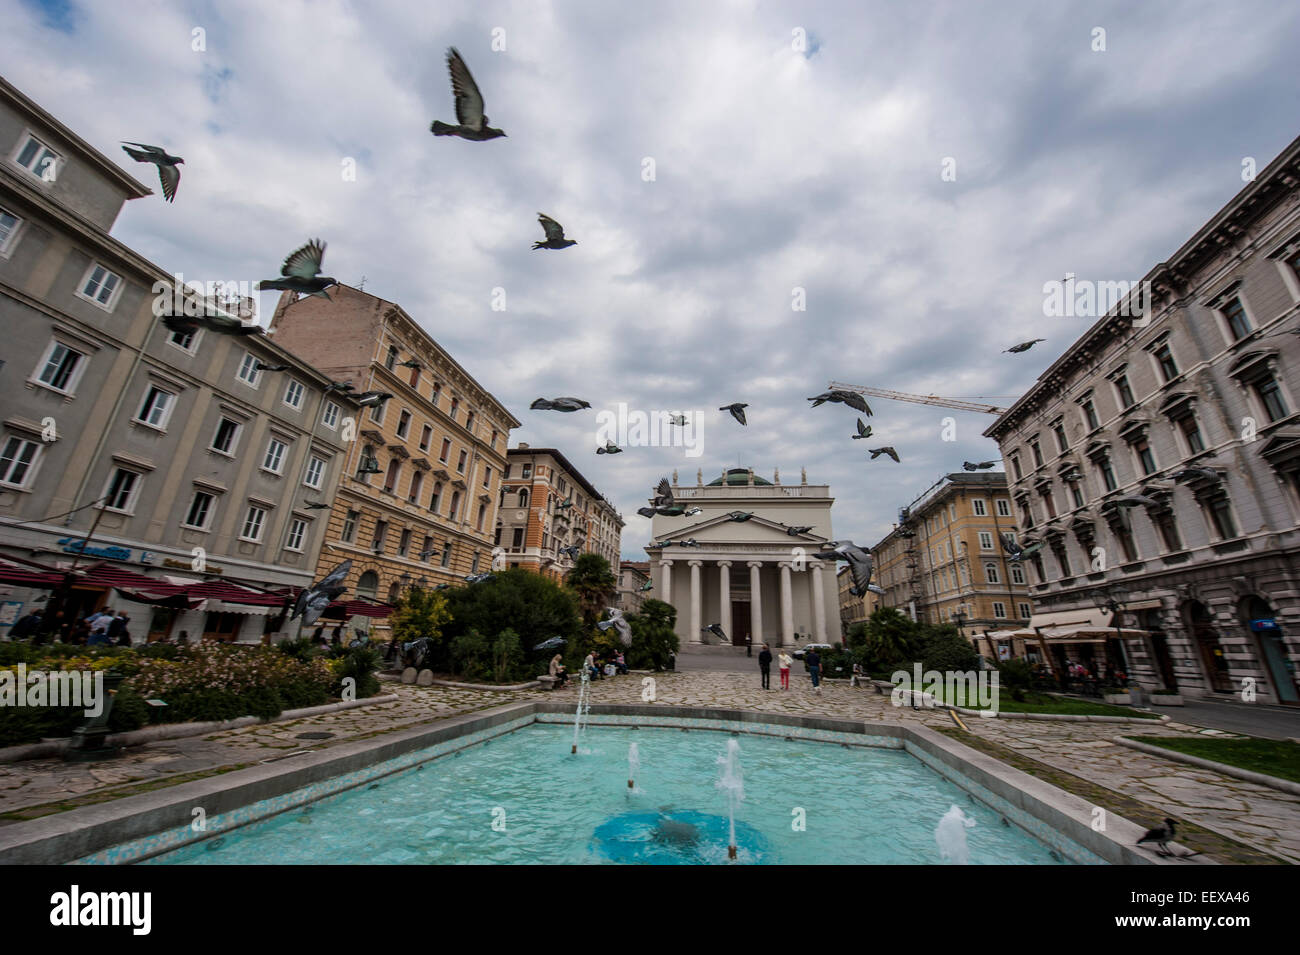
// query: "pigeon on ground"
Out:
[717,631]
[301,272]
[979,466]
[1195,474]
[1023,346]
[472,121]
[859,560]
[850,398]
[877,452]
[1135,500]
[864,430]
[609,448]
[559,404]
[1161,836]
[554,234]
[168,174]
[740,516]
[737,410]
[1018,551]
[798,529]
[618,623]
[311,603]
[677,419]
[315,506]
[368,399]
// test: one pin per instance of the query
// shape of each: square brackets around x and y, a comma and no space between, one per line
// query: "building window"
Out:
[200,511]
[446,450]
[986,540]
[487,476]
[16,461]
[274,459]
[1062,557]
[1026,514]
[404,424]
[446,554]
[1121,526]
[526,471]
[482,516]
[390,479]
[1270,396]
[315,472]
[1219,512]
[100,286]
[1024,611]
[330,416]
[1164,356]
[1107,472]
[378,411]
[991,574]
[417,483]
[248,371]
[436,498]
[253,522]
[473,565]
[121,490]
[1017,574]
[61,368]
[156,408]
[469,422]
[1191,433]
[426,436]
[1076,494]
[349,533]
[523,497]
[293,393]
[426,552]
[1090,413]
[1037,453]
[297,531]
[1015,466]
[460,461]
[435,394]
[1049,502]
[184,340]
[493,443]
[1004,507]
[1168,529]
[1124,392]
[1147,461]
[1238,322]
[517,539]
[391,360]
[978,507]
[378,542]
[414,380]
[39,159]
[404,542]
[224,439]
[9,224]
[453,512]
[999,610]
[455,406]
[1062,442]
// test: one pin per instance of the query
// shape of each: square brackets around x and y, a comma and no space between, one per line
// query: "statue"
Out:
[674,477]
[776,476]
[803,475]
[699,476]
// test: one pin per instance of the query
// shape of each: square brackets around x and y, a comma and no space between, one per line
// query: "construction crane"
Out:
[956,403]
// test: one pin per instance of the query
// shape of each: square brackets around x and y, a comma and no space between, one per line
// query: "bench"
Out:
[547,681]
[880,685]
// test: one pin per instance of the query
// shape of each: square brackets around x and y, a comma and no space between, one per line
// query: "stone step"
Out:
[710,649]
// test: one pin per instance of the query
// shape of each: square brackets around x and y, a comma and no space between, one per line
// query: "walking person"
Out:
[765,666]
[814,661]
[784,659]
[117,630]
[28,626]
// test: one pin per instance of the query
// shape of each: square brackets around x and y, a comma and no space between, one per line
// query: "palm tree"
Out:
[594,583]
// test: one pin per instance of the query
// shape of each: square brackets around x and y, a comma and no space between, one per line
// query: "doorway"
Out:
[1206,638]
[1261,621]
[740,623]
[1164,662]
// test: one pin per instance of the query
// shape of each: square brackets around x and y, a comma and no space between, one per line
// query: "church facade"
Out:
[745,571]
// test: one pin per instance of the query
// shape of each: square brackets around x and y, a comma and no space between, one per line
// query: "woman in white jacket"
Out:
[784,659]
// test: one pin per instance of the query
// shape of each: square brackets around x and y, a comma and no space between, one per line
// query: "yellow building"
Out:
[853,610]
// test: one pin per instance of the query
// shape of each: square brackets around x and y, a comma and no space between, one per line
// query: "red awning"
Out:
[13,574]
[107,575]
[234,594]
[357,608]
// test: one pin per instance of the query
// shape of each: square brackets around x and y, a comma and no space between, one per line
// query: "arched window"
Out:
[523,497]
[368,585]
[436,497]
[991,573]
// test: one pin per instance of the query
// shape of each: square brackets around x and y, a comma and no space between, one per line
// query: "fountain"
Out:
[734,784]
[633,765]
[584,708]
[950,834]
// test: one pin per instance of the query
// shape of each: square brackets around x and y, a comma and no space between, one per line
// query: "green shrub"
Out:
[944,650]
[470,655]
[296,648]
[14,653]
[654,637]
[129,712]
[159,651]
[507,657]
[360,664]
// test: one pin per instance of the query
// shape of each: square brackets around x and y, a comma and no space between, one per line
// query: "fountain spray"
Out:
[633,765]
[734,784]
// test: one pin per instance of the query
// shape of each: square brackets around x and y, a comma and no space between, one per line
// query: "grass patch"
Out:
[1043,703]
[1273,757]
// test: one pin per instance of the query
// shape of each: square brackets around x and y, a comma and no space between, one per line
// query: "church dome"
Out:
[738,476]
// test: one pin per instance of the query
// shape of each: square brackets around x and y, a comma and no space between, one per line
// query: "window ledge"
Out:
[37,383]
[1231,546]
[145,424]
[1178,557]
[1132,567]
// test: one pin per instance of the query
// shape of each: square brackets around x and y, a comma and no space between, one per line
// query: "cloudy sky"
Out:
[793,146]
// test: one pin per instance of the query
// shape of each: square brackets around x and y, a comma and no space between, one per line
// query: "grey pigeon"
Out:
[339,386]
[472,122]
[564,505]
[168,174]
[554,234]
[572,551]
[1195,474]
[717,631]
[662,503]
[692,511]
[850,398]
[644,588]
[368,399]
[301,272]
[311,603]
[478,578]
[609,448]
[679,419]
[877,452]
[737,410]
[1019,552]
[1161,836]
[559,404]
[740,516]
[409,363]
[315,506]
[260,367]
[864,430]
[1023,346]
[214,320]
[550,644]
[691,542]
[618,623]
[859,560]
[798,529]
[980,466]
[1135,500]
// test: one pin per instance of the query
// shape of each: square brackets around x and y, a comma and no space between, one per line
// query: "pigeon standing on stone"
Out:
[877,452]
[472,122]
[860,564]
[311,603]
[1023,346]
[798,529]
[979,466]
[559,404]
[864,430]
[301,272]
[737,410]
[554,234]
[168,174]
[1161,836]
[850,398]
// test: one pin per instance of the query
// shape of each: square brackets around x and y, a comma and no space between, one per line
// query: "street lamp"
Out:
[1113,599]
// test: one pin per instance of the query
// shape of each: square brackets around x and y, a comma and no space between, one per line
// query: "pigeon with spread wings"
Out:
[311,603]
[554,234]
[860,564]
[301,272]
[472,121]
[168,175]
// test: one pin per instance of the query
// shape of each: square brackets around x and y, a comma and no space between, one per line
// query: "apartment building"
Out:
[632,576]
[853,610]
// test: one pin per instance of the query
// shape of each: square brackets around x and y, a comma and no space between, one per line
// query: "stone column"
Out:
[696,624]
[819,605]
[724,597]
[755,602]
[666,580]
[787,606]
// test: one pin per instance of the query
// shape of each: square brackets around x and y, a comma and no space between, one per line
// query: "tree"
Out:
[531,605]
[653,635]
[420,613]
[892,638]
[594,583]
[942,648]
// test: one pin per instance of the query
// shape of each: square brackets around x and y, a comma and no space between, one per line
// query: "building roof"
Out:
[564,463]
[738,476]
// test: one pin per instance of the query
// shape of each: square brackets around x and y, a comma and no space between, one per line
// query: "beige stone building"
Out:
[853,610]
[632,576]
[1204,567]
[423,472]
[750,576]
[547,505]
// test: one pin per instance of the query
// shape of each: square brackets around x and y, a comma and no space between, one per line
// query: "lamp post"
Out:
[1113,599]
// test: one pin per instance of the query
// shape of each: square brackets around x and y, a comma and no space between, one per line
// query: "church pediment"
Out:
[723,529]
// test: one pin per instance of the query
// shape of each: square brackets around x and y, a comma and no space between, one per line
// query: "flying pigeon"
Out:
[301,271]
[426,554]
[339,386]
[572,551]
[692,542]
[850,398]
[168,174]
[1023,346]
[877,452]
[864,430]
[311,603]
[618,623]
[1195,474]
[717,631]
[1161,836]
[368,399]
[564,505]
[1019,552]
[1135,500]
[647,586]
[554,234]
[478,578]
[315,506]
[472,121]
[609,448]
[859,560]
[559,404]
[662,503]
[737,410]
[980,466]
[692,511]
[219,322]
[260,367]
[799,529]
[677,419]
[740,516]
[409,363]
[550,644]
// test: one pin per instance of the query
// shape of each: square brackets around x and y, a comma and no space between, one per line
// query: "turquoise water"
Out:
[522,798]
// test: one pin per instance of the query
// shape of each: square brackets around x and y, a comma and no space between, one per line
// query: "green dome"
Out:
[738,476]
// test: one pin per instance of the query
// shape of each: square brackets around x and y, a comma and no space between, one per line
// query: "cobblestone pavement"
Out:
[1258,816]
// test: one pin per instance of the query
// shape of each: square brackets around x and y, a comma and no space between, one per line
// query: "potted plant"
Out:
[1166,698]
[1116,695]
